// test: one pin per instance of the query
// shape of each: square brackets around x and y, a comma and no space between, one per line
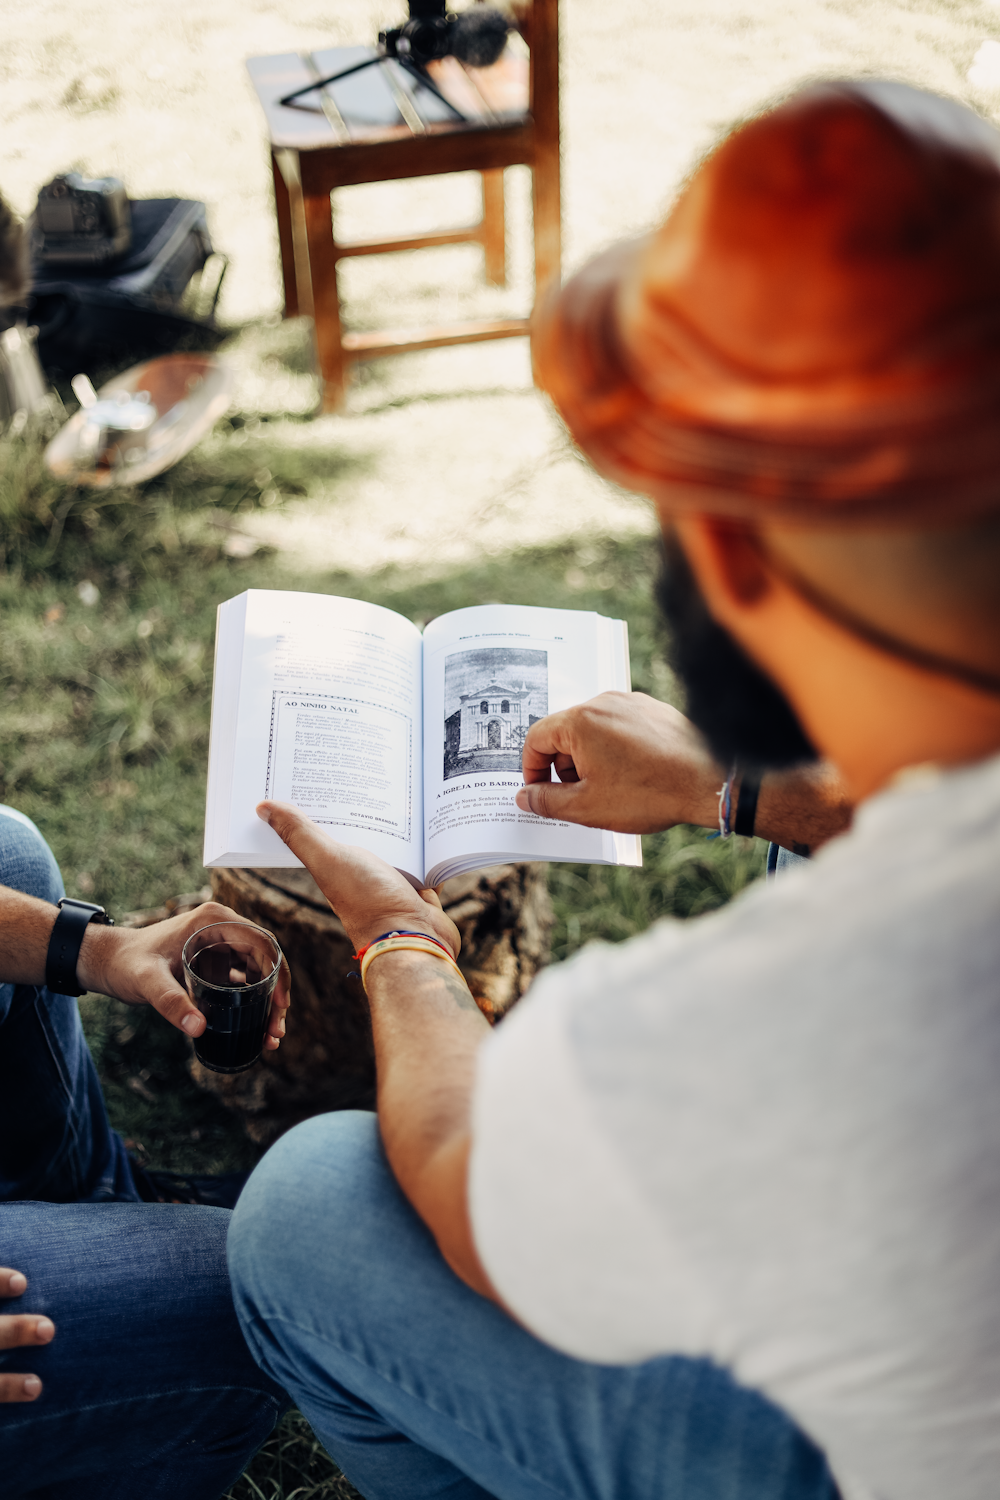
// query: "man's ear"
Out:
[728,561]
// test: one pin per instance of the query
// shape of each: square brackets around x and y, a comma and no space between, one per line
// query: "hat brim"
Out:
[921,447]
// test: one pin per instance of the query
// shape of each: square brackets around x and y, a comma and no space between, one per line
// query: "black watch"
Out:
[64,943]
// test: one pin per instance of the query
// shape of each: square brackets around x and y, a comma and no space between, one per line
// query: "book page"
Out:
[329,718]
[489,673]
[230,618]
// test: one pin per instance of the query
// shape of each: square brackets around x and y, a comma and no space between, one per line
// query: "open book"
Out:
[406,744]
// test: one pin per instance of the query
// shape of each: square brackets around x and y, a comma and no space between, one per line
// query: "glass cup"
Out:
[231,969]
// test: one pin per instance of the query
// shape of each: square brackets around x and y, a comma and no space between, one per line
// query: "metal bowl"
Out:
[142,422]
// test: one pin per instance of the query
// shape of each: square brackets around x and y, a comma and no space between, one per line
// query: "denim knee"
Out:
[26,862]
[313,1200]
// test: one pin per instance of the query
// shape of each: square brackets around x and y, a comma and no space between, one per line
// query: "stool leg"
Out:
[289,168]
[333,364]
[283,211]
[494,229]
[544,87]
[548,233]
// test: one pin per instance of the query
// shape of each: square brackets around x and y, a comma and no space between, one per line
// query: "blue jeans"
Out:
[418,1387]
[779,859]
[148,1389]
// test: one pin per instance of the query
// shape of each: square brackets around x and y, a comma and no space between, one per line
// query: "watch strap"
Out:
[65,942]
[746,804]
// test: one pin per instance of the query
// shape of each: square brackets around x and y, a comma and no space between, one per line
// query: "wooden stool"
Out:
[381,125]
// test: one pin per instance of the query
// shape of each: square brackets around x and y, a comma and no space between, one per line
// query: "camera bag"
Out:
[131,308]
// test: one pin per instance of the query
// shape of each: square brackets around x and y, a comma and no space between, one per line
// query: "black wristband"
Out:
[65,942]
[746,804]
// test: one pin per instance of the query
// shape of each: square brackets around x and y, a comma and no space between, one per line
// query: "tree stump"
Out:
[326,1060]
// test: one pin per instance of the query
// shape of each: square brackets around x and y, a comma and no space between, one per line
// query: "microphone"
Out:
[478,36]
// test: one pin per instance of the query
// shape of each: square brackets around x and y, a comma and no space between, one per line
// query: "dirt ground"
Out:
[442,455]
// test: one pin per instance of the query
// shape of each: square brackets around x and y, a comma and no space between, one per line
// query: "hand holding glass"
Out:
[231,969]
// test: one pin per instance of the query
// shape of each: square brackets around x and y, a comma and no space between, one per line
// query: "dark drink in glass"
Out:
[231,969]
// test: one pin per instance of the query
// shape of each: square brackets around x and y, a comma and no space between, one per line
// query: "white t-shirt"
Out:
[772,1136]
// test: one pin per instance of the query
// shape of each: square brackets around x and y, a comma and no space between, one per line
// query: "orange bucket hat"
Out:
[814,331]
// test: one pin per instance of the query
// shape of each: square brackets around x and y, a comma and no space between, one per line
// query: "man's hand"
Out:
[633,765]
[626,762]
[426,1026]
[18,1331]
[142,966]
[369,896]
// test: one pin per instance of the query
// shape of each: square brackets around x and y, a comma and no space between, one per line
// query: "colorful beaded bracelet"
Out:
[416,942]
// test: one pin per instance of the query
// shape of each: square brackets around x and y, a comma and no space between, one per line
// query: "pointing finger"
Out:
[296,830]
[340,870]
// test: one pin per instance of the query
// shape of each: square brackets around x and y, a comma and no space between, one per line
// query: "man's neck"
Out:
[865,708]
[891,717]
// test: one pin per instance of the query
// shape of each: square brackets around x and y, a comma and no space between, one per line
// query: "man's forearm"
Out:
[141,966]
[798,809]
[802,808]
[25,928]
[428,1030]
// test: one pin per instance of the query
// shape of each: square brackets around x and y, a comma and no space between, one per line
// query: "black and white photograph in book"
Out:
[491,698]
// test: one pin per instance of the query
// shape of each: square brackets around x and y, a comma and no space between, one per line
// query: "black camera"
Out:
[421,39]
[81,221]
[477,36]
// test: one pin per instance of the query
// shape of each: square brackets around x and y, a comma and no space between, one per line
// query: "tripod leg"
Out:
[321,83]
[428,83]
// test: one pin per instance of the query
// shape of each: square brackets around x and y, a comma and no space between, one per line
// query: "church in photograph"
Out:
[494,718]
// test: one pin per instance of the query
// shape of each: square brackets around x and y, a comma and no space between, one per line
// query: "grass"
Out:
[292,1466]
[106,659]
[108,610]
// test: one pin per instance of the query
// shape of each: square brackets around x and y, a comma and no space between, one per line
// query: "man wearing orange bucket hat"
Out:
[717,1211]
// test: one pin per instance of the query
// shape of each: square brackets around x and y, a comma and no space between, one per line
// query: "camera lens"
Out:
[423,41]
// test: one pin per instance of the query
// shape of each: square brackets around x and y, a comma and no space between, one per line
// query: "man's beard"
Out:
[742,715]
